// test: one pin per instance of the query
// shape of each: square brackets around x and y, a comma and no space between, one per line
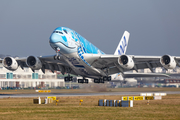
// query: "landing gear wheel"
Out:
[80,80]
[55,57]
[96,81]
[83,81]
[109,78]
[68,78]
[86,81]
[101,81]
[105,78]
[58,57]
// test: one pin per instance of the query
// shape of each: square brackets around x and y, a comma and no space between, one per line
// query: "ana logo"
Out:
[122,46]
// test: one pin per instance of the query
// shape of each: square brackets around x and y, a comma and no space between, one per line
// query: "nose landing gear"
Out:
[57,57]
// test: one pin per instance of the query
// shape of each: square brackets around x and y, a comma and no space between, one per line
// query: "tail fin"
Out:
[121,48]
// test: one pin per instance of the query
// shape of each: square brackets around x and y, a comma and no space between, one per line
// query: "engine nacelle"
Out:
[126,62]
[34,63]
[168,62]
[10,63]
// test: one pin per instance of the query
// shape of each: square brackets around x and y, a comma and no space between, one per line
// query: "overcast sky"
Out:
[154,25]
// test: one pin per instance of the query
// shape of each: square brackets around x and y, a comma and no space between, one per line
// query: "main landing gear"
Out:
[68,78]
[83,80]
[101,80]
[107,78]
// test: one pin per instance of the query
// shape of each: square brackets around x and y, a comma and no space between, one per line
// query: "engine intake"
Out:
[126,62]
[34,63]
[10,63]
[168,62]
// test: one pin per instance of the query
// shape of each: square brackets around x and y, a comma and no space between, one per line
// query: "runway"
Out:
[80,94]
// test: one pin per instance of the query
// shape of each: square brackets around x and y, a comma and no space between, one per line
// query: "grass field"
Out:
[93,89]
[69,108]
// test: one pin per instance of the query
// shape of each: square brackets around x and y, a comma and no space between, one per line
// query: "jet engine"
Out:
[10,63]
[126,62]
[168,62]
[34,63]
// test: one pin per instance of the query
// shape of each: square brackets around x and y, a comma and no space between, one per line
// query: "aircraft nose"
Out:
[54,38]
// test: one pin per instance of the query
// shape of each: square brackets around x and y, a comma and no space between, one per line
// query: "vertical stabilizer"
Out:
[121,48]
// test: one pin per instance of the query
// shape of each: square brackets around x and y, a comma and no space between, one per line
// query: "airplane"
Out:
[76,55]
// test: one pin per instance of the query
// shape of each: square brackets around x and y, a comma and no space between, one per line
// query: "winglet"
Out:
[121,48]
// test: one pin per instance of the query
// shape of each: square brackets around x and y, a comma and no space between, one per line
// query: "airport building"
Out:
[174,81]
[25,78]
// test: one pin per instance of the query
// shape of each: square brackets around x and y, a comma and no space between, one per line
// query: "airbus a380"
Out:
[75,55]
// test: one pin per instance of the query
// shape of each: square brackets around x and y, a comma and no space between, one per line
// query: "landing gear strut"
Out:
[57,57]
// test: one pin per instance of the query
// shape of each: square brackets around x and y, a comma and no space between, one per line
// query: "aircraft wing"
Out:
[110,62]
[47,62]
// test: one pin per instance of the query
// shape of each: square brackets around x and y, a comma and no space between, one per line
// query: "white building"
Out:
[24,78]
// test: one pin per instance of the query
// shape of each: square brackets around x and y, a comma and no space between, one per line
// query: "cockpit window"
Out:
[65,31]
[58,32]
